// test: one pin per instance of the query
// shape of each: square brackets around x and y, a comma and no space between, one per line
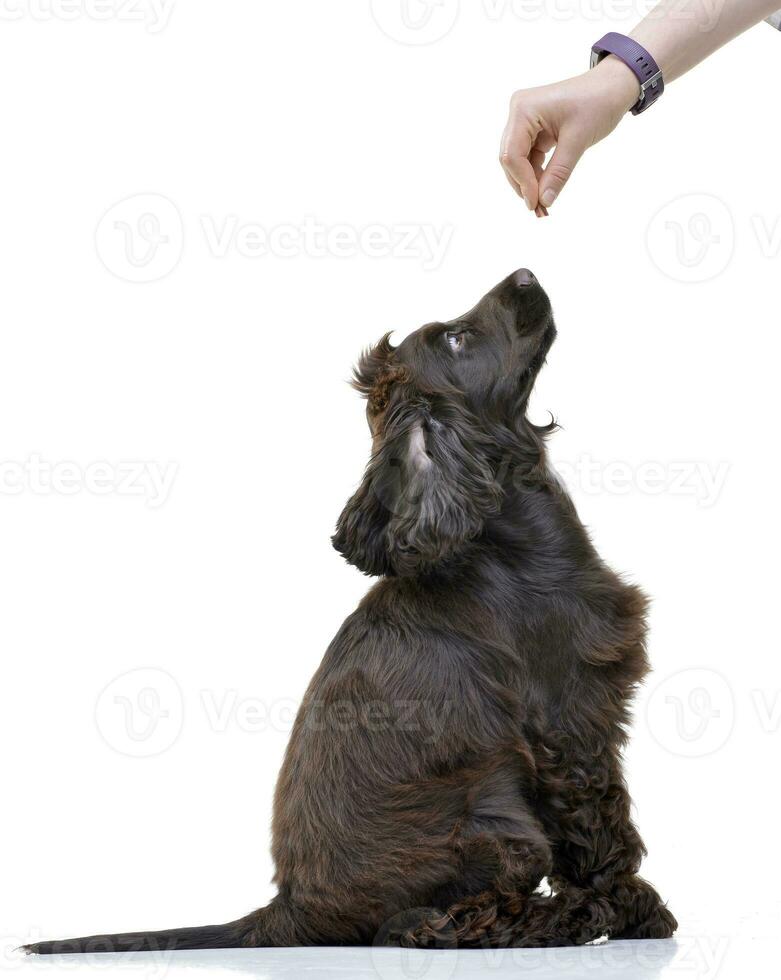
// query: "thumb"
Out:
[559,169]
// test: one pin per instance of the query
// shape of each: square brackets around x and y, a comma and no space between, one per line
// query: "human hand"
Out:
[567,117]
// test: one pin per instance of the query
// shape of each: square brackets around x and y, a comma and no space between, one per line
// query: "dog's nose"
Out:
[523,277]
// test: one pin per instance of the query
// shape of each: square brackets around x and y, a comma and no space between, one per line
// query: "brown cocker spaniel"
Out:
[461,740]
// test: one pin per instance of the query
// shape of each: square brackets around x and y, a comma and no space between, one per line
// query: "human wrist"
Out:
[618,82]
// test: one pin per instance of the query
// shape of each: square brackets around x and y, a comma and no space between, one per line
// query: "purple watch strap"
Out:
[635,57]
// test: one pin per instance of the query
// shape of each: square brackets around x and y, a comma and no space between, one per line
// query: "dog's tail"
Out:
[270,926]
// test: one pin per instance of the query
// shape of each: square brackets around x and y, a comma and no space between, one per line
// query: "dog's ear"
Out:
[373,363]
[426,492]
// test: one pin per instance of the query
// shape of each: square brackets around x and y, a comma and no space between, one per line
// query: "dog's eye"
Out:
[455,341]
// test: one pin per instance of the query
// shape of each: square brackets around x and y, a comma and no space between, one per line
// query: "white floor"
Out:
[749,952]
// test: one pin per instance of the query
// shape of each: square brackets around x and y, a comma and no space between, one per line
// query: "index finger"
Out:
[517,142]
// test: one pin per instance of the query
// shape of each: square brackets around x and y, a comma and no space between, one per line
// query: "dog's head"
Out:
[446,409]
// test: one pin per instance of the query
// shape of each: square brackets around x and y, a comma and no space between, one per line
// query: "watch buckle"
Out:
[650,83]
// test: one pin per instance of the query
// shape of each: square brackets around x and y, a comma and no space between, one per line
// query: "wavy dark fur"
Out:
[462,737]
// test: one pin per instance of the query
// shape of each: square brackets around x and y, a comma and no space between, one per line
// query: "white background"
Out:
[226,371]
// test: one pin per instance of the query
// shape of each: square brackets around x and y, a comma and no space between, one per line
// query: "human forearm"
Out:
[681,33]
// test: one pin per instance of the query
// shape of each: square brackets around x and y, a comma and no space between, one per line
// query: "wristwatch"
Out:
[638,60]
